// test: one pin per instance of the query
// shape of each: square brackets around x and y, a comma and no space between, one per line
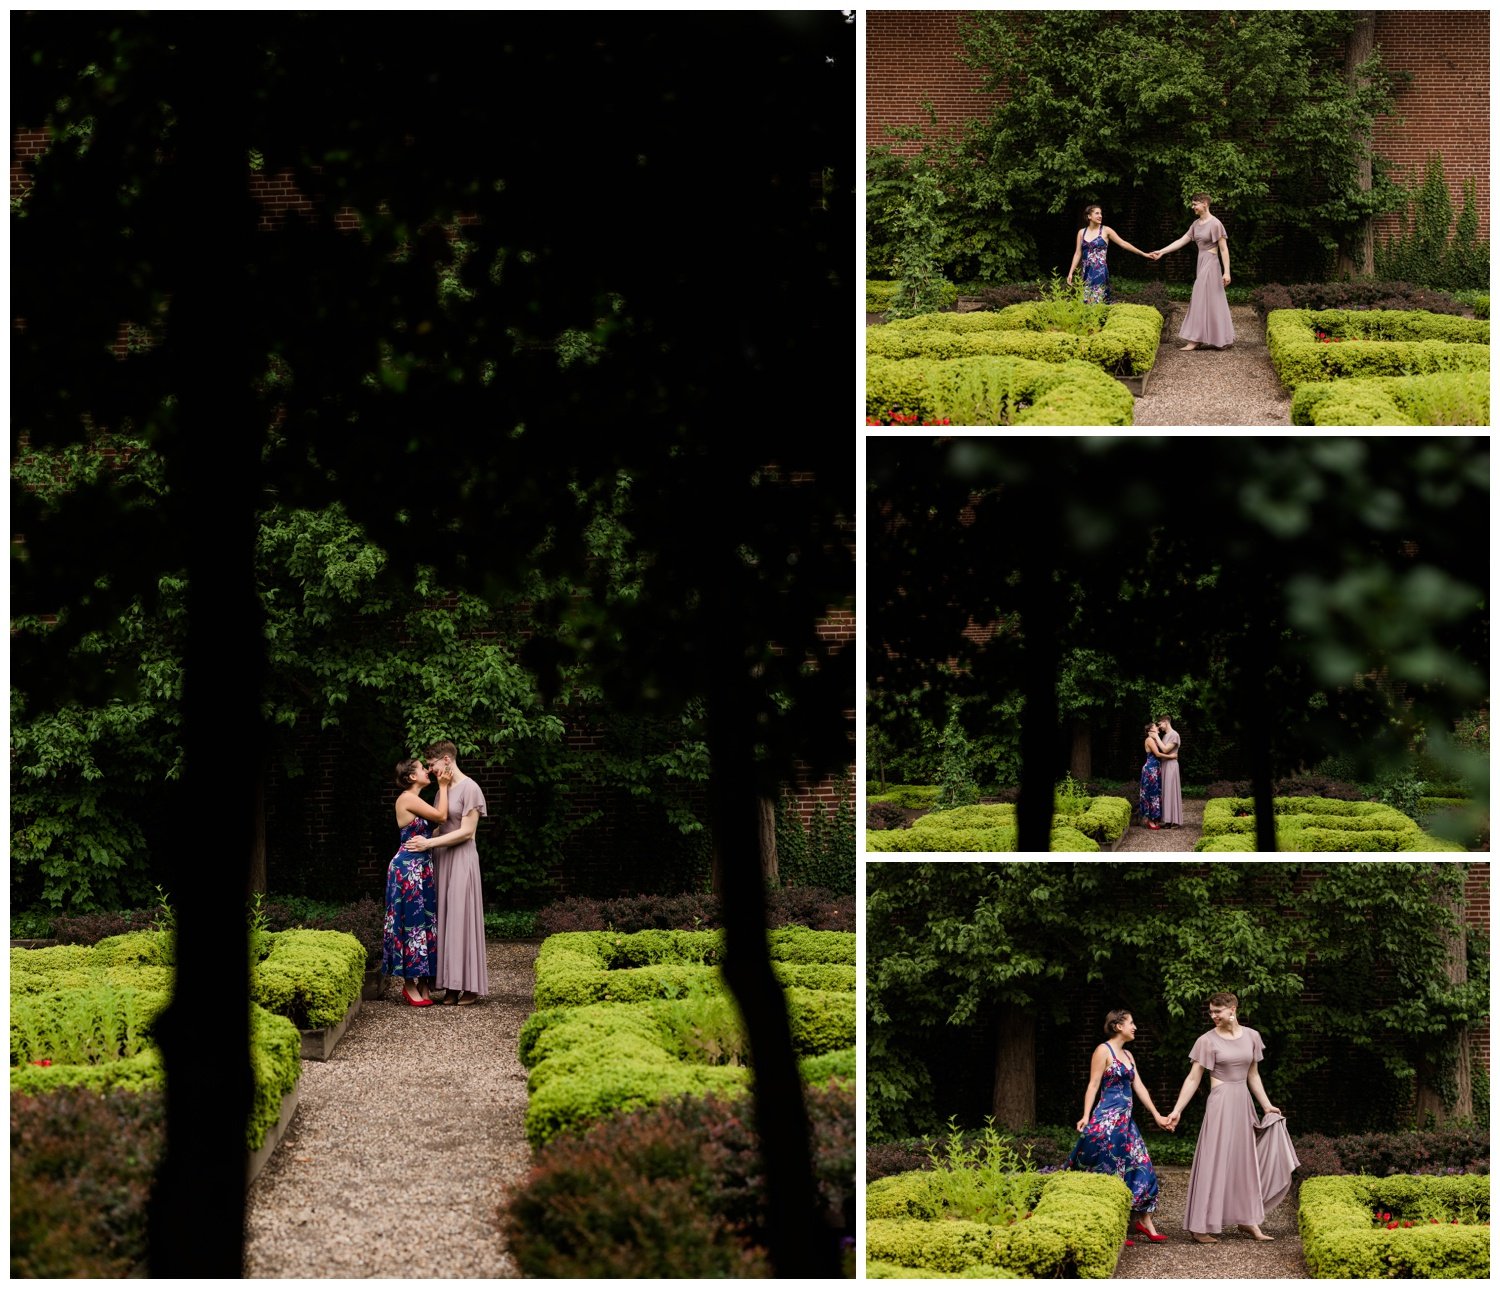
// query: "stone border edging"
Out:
[318,1044]
[257,1160]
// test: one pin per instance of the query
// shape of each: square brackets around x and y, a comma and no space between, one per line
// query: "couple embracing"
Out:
[434,911]
[1161,776]
[1242,1169]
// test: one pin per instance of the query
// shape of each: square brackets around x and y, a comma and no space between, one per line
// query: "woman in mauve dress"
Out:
[1207,321]
[461,966]
[1241,1168]
[1171,774]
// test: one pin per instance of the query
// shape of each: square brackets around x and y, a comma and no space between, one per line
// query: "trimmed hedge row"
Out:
[996,390]
[1315,824]
[1341,1241]
[879,296]
[578,967]
[1375,342]
[681,1034]
[1441,398]
[310,977]
[89,1010]
[591,1062]
[1125,346]
[970,840]
[993,827]
[1075,1230]
[908,796]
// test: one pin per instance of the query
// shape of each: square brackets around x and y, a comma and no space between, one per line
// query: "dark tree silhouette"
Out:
[654,270]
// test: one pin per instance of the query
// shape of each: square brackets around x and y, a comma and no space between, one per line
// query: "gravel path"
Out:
[1139,837]
[404,1144]
[1235,1257]
[1234,386]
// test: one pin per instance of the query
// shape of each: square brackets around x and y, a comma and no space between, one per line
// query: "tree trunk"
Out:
[1081,765]
[1014,1101]
[1038,677]
[768,871]
[1430,1100]
[800,1243]
[258,839]
[1357,257]
[197,1209]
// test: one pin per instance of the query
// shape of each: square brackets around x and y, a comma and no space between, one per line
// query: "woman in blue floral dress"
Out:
[410,941]
[1151,777]
[1091,244]
[1111,1143]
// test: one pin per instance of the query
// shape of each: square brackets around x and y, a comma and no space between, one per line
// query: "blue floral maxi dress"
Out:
[1151,789]
[410,949]
[1095,271]
[1112,1143]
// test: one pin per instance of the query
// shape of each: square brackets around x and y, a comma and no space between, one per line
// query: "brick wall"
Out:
[911,55]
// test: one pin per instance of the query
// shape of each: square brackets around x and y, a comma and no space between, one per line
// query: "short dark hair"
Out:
[1113,1021]
[1203,196]
[443,748]
[406,772]
[1224,1000]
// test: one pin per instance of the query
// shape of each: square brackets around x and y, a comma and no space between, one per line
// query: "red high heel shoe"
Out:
[1154,827]
[415,1002]
[1155,1239]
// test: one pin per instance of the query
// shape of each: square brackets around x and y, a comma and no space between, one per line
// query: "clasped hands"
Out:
[1169,1122]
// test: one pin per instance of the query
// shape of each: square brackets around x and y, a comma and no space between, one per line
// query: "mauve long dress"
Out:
[1226,1185]
[1208,321]
[460,929]
[1171,781]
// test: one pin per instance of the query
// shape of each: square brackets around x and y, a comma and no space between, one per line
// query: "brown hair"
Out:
[1150,727]
[443,748]
[1113,1020]
[406,772]
[1203,196]
[1223,1000]
[1093,205]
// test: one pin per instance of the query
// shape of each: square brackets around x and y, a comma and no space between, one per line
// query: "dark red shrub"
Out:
[809,906]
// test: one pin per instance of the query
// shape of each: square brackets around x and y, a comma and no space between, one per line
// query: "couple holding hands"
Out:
[1207,321]
[1241,1168]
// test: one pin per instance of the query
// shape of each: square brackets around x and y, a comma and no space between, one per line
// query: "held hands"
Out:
[1153,255]
[1169,1122]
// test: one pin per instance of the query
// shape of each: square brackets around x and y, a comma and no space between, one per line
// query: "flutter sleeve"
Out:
[1220,233]
[1203,1051]
[1257,1048]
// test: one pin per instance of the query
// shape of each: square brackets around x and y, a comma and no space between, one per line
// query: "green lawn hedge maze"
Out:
[1316,824]
[1441,1227]
[986,828]
[1440,398]
[1076,1228]
[627,1021]
[1372,342]
[996,390]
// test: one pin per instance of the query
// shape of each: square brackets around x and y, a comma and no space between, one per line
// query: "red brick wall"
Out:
[911,55]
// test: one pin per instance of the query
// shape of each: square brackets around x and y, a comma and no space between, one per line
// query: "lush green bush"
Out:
[310,977]
[1341,1239]
[1479,301]
[997,390]
[1315,824]
[1125,345]
[1422,250]
[820,853]
[1441,398]
[881,296]
[939,840]
[1378,342]
[907,796]
[1075,1229]
[82,1165]
[674,1190]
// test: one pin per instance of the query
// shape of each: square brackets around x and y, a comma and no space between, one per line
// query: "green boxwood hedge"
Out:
[1125,346]
[879,296]
[1075,1230]
[1340,1239]
[993,827]
[310,977]
[1315,824]
[78,1007]
[997,390]
[909,796]
[578,967]
[679,1031]
[1441,398]
[1375,342]
[900,840]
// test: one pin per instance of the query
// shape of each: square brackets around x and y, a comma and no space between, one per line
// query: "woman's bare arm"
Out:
[1077,251]
[414,805]
[1258,1089]
[1189,1089]
[1121,242]
[1096,1072]
[462,833]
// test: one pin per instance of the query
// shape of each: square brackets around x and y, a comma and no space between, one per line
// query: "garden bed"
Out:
[680,1034]
[1316,824]
[1396,1228]
[1074,1231]
[1329,344]
[1100,825]
[1439,398]
[995,390]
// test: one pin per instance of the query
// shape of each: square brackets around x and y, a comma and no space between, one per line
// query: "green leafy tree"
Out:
[954,775]
[1423,251]
[1253,107]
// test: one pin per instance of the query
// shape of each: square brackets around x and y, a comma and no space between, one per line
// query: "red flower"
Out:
[44,1061]
[1390,1226]
[1405,1223]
